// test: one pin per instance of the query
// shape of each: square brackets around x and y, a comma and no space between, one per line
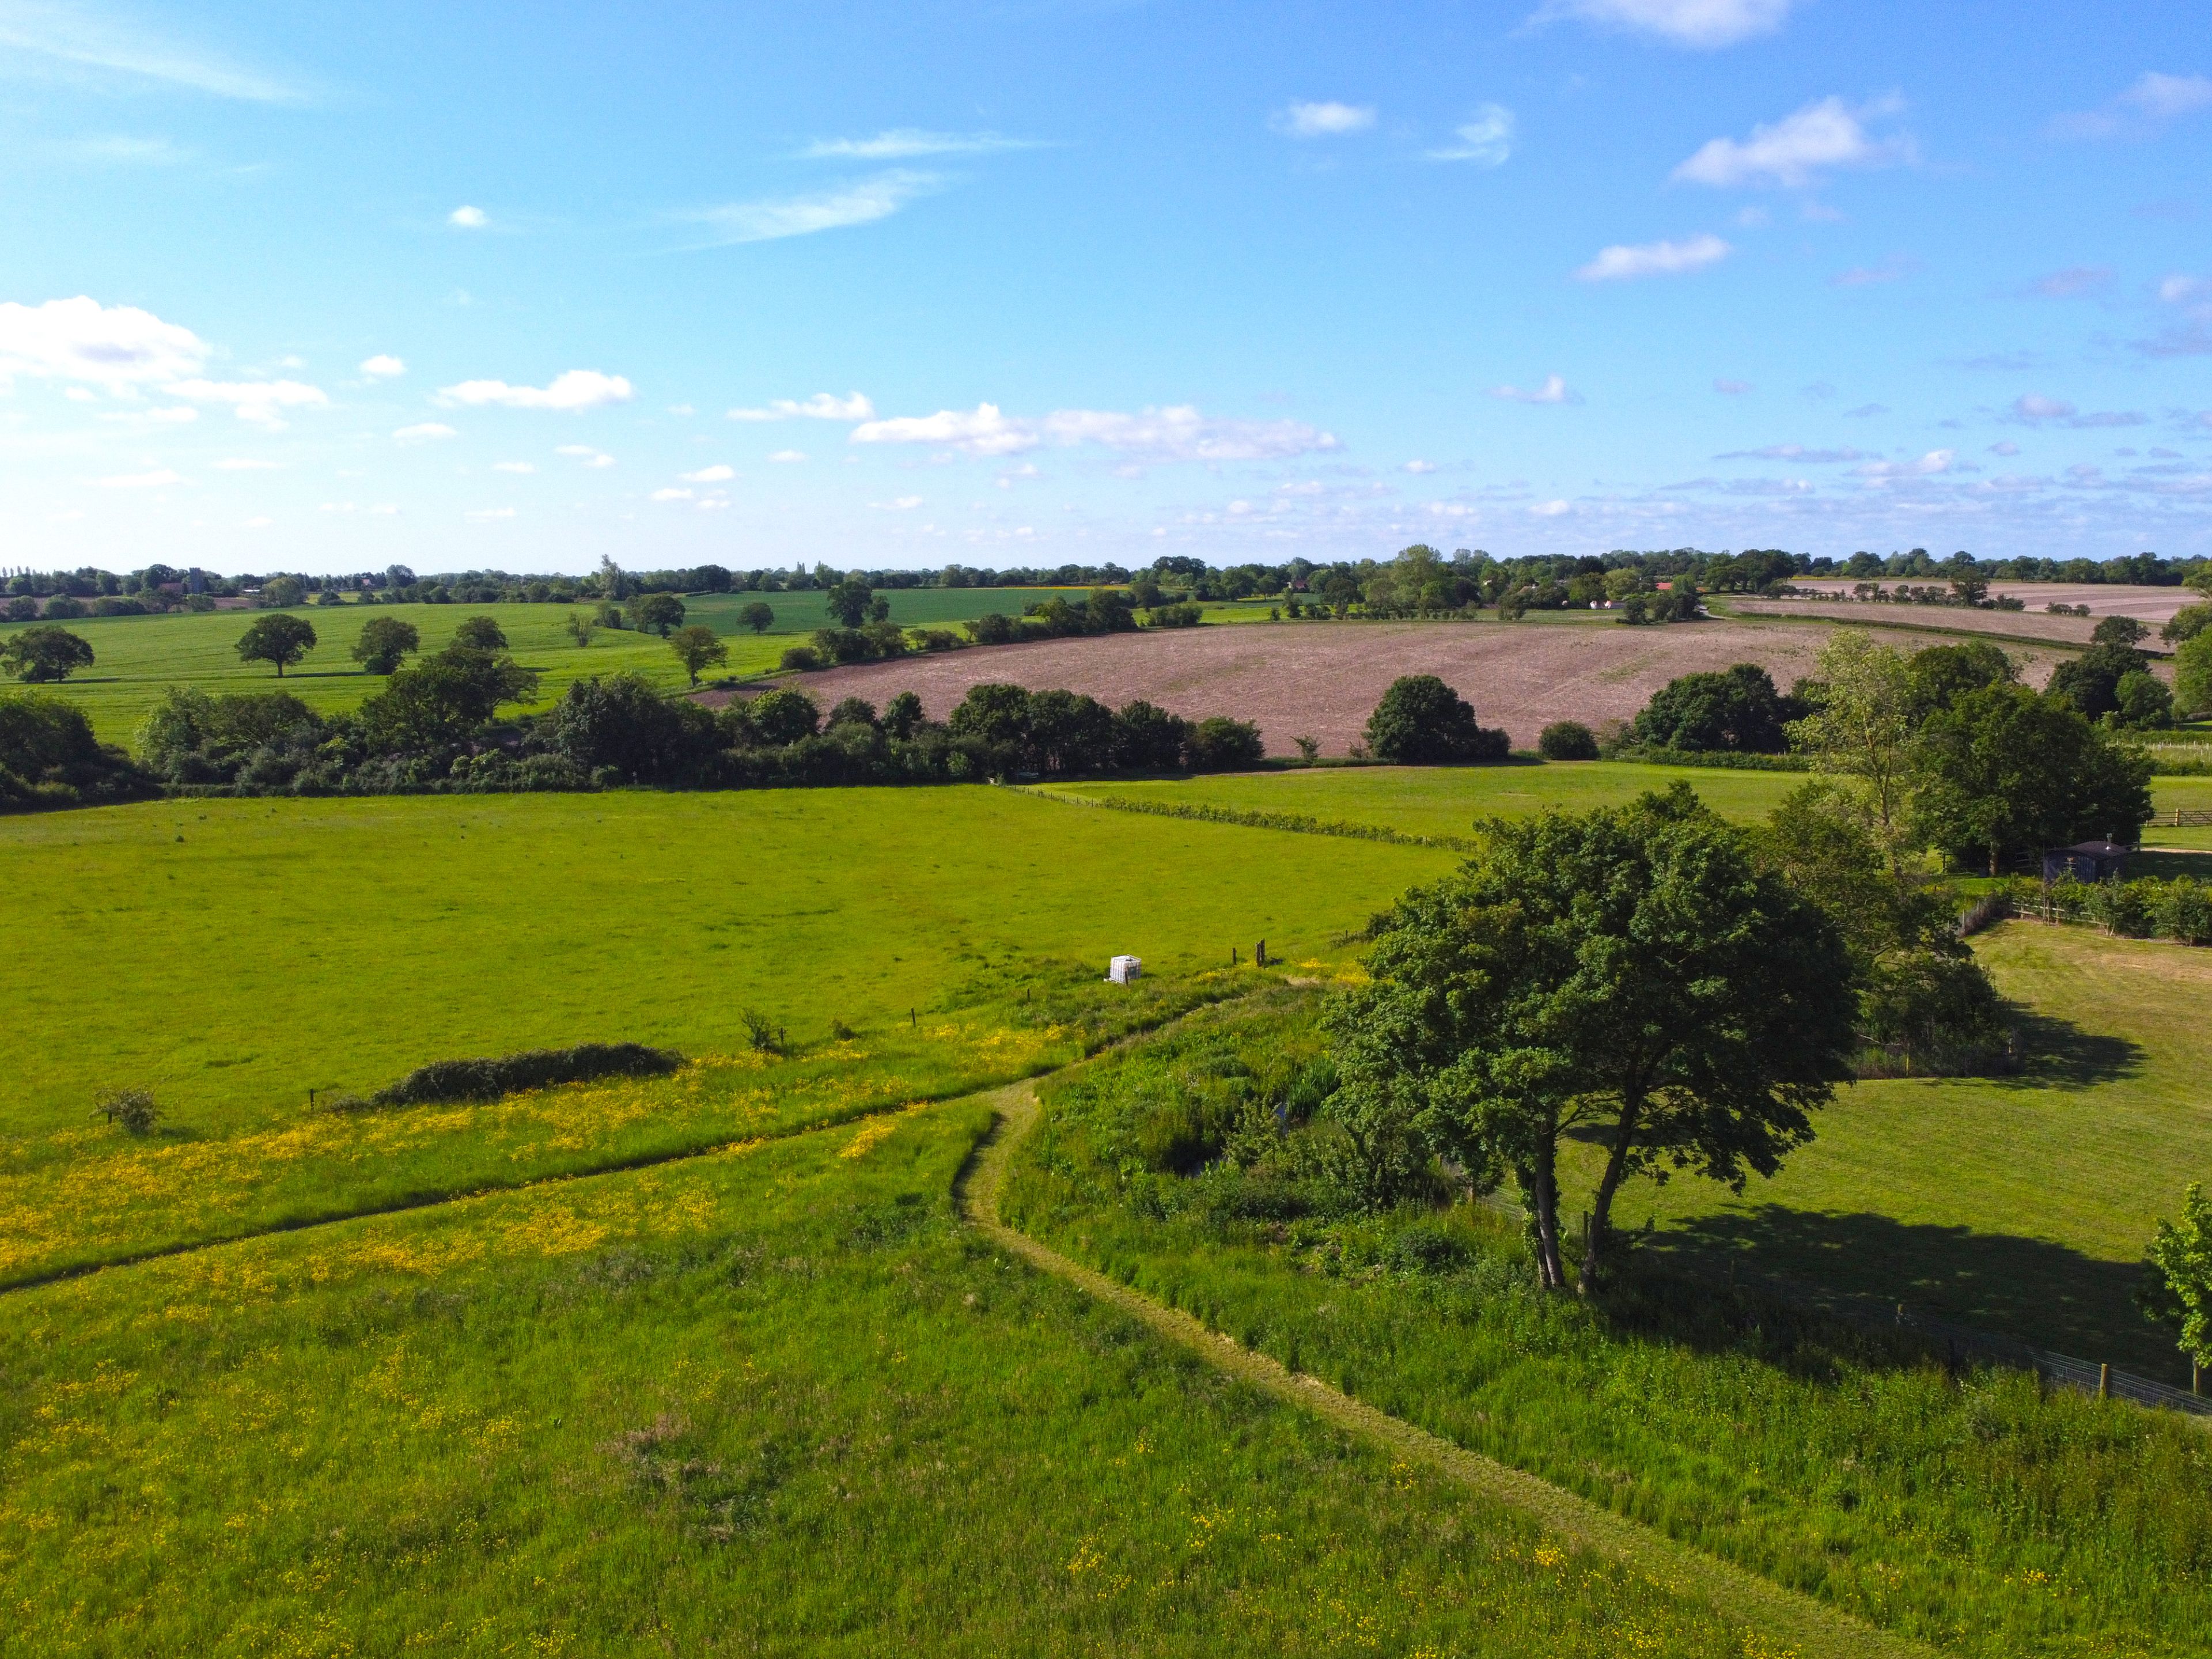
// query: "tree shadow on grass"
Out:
[2045,1294]
[2059,1055]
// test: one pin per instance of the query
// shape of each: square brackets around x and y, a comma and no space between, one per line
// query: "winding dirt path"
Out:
[1813,1629]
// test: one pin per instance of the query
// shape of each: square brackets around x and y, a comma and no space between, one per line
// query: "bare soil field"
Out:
[2152,604]
[1322,680]
[2011,624]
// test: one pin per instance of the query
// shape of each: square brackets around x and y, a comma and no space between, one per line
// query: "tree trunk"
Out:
[1543,1184]
[1600,1219]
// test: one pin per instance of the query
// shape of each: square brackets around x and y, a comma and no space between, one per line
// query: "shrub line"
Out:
[1735,1592]
[1297,824]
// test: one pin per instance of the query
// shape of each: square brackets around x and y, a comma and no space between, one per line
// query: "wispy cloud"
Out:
[1554,391]
[117,149]
[903,143]
[263,402]
[1934,461]
[862,202]
[1323,120]
[586,455]
[1176,433]
[425,432]
[38,34]
[1894,268]
[1624,261]
[2154,97]
[1706,23]
[716,474]
[2033,408]
[1486,140]
[1797,452]
[466,217]
[822,406]
[578,389]
[1793,151]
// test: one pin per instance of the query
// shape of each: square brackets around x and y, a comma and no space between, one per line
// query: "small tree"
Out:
[697,647]
[278,638]
[2179,1291]
[579,628]
[481,634]
[1862,725]
[848,601]
[131,1109]
[758,616]
[385,642]
[280,592]
[44,655]
[1567,740]
[1421,721]
[1626,975]
[658,613]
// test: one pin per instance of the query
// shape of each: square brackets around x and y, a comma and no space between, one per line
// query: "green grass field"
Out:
[1976,1514]
[775,1400]
[138,657]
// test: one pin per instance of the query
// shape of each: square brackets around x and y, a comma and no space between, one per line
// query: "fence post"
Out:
[2105,1382]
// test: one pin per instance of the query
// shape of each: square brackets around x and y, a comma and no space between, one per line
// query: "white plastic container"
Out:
[1124,971]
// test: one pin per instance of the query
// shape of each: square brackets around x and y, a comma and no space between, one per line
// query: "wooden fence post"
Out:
[2105,1382]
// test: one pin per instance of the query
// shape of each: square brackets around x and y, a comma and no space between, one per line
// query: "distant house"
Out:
[2090,860]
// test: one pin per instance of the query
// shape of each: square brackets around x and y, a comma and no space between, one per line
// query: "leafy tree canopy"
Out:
[44,655]
[1421,721]
[1737,709]
[276,638]
[385,643]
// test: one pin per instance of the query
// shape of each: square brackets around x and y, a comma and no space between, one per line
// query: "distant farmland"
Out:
[1322,679]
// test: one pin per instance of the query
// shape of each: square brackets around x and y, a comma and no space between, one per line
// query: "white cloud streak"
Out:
[383,366]
[468,218]
[263,402]
[1704,23]
[578,389]
[901,143]
[1625,261]
[822,406]
[1794,150]
[36,33]
[425,432]
[1554,391]
[2161,97]
[1486,140]
[1323,120]
[1178,433]
[862,202]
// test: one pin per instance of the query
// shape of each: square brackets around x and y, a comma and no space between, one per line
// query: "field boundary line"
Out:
[1819,1630]
[1732,615]
[1297,824]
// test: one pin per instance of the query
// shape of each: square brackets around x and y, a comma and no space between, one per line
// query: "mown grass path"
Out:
[1813,1629]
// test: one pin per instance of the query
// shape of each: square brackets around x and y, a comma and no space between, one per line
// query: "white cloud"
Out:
[78,394]
[1934,461]
[81,339]
[578,388]
[2006,447]
[79,37]
[1486,140]
[244,463]
[584,452]
[1732,388]
[1554,391]
[1687,22]
[118,150]
[717,474]
[2034,410]
[2179,290]
[787,456]
[156,479]
[862,202]
[900,143]
[425,432]
[383,366]
[1324,120]
[2165,95]
[1417,467]
[713,504]
[1174,434]
[1825,134]
[485,513]
[1792,453]
[822,406]
[669,494]
[1551,509]
[1623,261]
[468,218]
[514,466]
[260,401]
[901,504]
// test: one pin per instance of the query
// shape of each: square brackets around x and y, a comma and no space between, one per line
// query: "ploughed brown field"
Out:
[2154,606]
[1322,680]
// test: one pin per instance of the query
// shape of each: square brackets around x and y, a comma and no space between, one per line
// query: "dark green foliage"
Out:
[758,616]
[781,717]
[657,613]
[386,641]
[452,1080]
[64,608]
[1174,615]
[1152,739]
[49,758]
[853,711]
[2186,624]
[1737,710]
[481,634]
[1627,973]
[2142,703]
[1567,740]
[849,601]
[440,700]
[623,726]
[697,647]
[276,638]
[2003,772]
[2090,684]
[902,716]
[44,655]
[1218,743]
[1421,721]
[131,1111]
[1939,675]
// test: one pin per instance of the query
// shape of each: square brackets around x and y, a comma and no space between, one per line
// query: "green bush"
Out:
[446,1081]
[1567,740]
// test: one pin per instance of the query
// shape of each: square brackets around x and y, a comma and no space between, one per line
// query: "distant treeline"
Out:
[1418,581]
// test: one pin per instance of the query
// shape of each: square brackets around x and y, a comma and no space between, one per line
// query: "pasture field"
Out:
[138,657]
[231,955]
[1970,1512]
[771,1400]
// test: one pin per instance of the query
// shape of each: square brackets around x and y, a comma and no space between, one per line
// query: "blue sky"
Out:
[326,288]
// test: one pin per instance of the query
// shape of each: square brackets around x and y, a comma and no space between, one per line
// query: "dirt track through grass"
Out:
[1815,1630]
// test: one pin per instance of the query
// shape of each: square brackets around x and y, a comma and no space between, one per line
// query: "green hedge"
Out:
[444,1080]
[1296,823]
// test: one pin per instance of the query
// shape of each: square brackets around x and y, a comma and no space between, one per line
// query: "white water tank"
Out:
[1123,970]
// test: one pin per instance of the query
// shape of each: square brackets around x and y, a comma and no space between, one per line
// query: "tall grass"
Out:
[1966,1509]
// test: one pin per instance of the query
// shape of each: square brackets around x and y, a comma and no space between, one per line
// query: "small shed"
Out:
[2090,861]
[1124,971]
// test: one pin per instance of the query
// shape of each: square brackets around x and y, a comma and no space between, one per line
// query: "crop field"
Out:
[1975,1513]
[2148,603]
[1322,680]
[769,1401]
[138,657]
